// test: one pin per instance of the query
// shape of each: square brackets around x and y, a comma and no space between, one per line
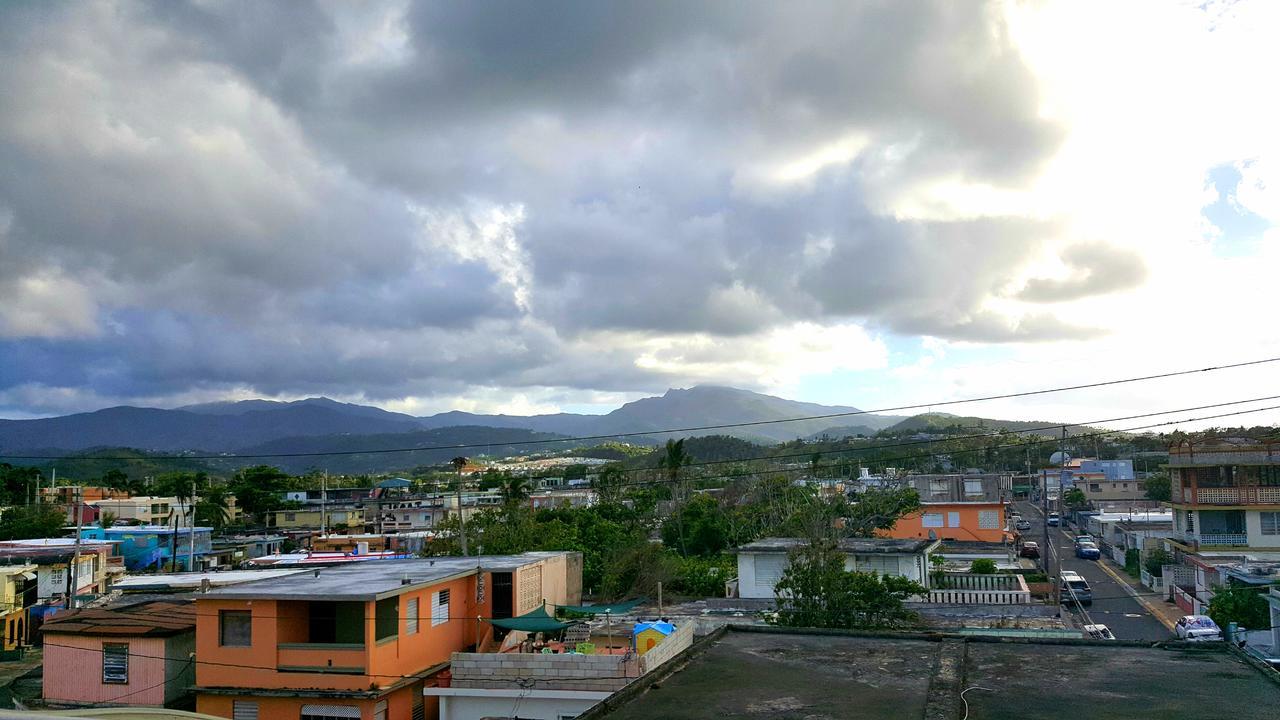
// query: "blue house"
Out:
[151,546]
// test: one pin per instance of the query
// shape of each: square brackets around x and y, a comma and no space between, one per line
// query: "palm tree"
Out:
[107,519]
[672,461]
[213,508]
[514,490]
[459,463]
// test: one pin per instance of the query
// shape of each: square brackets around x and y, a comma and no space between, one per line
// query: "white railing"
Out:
[979,589]
[1154,582]
[1222,539]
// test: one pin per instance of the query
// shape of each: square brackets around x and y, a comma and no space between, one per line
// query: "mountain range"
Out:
[316,424]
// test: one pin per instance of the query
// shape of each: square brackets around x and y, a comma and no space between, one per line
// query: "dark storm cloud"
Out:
[416,198]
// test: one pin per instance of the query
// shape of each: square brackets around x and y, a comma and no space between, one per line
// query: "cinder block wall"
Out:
[668,648]
[599,673]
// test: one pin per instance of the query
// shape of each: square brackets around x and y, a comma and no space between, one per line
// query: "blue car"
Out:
[1087,551]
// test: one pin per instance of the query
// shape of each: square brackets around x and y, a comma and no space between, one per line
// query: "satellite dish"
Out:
[1059,458]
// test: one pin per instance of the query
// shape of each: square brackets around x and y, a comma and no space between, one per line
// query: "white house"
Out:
[762,563]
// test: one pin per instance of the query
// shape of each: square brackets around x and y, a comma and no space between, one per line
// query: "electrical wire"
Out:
[668,431]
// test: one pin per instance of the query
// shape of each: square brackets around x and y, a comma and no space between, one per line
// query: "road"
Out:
[1112,605]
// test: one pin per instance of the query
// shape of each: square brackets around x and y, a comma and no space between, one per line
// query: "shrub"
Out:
[983,566]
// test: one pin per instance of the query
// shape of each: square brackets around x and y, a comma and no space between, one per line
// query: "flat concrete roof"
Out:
[800,675]
[849,545]
[371,579]
[191,580]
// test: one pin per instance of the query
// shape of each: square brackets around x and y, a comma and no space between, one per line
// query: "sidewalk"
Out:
[1167,613]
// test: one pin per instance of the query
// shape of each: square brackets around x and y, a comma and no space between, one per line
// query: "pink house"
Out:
[139,655]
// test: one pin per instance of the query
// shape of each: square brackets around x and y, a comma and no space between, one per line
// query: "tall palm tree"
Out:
[673,459]
[514,489]
[459,463]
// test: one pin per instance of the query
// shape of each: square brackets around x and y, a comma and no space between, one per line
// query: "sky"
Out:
[536,207]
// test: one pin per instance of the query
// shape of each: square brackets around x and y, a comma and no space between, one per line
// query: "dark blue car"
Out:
[1087,551]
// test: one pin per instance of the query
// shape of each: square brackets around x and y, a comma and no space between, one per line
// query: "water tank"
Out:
[1059,458]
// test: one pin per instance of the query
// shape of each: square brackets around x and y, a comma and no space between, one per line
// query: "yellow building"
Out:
[335,518]
[17,593]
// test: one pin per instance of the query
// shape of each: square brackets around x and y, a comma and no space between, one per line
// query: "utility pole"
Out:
[191,555]
[324,496]
[74,571]
[460,463]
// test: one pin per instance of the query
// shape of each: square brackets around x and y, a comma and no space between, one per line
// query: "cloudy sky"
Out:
[528,207]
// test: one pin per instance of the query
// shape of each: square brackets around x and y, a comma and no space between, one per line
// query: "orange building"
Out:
[958,507]
[361,640]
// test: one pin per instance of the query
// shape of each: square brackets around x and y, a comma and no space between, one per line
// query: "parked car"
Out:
[1085,538]
[1053,520]
[1075,589]
[1087,550]
[1023,525]
[1197,628]
[1030,550]
[1098,632]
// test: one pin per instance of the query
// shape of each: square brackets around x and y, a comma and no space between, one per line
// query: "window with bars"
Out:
[931,520]
[1270,523]
[988,520]
[972,487]
[115,663]
[439,608]
[953,519]
[411,617]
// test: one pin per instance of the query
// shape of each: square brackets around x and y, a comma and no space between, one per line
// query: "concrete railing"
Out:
[999,589]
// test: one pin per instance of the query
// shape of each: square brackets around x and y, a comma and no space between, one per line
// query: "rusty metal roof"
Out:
[149,619]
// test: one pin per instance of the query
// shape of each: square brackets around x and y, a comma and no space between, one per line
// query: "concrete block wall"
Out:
[599,673]
[670,647]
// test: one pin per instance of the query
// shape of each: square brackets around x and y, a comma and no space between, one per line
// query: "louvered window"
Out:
[244,710]
[115,663]
[439,608]
[411,617]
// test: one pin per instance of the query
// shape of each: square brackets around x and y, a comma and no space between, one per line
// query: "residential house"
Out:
[1226,492]
[237,549]
[98,563]
[361,640]
[512,683]
[578,498]
[389,514]
[403,542]
[68,494]
[762,563]
[17,595]
[348,516]
[957,507]
[155,546]
[140,655]
[141,510]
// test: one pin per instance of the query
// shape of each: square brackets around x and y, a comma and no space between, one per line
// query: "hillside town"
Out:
[400,599]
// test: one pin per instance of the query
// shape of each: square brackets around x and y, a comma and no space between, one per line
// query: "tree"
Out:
[705,526]
[514,491]
[608,484]
[459,464]
[32,521]
[107,519]
[116,480]
[1075,499]
[259,490]
[673,460]
[879,509]
[983,566]
[213,508]
[1158,487]
[1244,606]
[816,591]
[1156,560]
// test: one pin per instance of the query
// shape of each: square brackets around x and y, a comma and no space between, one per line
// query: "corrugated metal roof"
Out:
[143,620]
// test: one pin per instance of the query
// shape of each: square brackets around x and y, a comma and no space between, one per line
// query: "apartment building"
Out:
[155,546]
[143,509]
[1226,492]
[17,595]
[965,507]
[361,640]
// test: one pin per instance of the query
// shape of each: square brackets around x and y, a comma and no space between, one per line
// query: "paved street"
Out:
[1112,606]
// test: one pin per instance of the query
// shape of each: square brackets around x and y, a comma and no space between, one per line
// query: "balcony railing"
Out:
[1219,538]
[341,658]
[1242,495]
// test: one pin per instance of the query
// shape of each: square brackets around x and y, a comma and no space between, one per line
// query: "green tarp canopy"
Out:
[621,608]
[535,621]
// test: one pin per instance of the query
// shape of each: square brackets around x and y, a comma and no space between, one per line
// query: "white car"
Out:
[1098,632]
[1197,628]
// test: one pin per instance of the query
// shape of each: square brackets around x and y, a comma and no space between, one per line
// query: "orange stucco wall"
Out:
[911,526]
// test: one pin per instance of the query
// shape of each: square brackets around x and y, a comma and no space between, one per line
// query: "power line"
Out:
[668,431]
